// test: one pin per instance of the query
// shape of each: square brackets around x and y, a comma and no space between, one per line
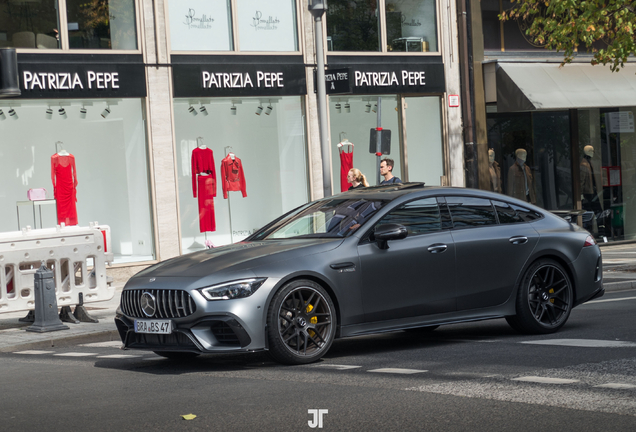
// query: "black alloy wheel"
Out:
[544,299]
[301,323]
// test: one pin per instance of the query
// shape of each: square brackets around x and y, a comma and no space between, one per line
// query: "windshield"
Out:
[330,218]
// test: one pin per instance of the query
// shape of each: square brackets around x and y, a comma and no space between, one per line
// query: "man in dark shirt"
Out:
[386,170]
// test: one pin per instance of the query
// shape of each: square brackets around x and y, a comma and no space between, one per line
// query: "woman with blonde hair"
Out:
[357,179]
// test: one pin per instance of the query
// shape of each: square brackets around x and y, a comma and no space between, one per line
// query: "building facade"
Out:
[192,123]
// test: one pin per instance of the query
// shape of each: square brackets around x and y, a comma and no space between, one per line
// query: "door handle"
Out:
[437,248]
[518,240]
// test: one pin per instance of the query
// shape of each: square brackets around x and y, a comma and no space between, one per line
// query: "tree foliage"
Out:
[604,27]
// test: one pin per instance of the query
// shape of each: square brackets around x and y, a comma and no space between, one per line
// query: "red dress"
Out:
[64,177]
[346,163]
[232,175]
[203,163]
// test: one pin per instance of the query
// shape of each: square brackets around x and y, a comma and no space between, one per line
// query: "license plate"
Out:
[153,326]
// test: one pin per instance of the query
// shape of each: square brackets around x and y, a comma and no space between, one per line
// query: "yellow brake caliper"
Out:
[313,319]
[551,292]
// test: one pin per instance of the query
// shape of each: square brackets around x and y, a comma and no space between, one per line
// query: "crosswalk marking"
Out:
[119,356]
[545,380]
[34,352]
[109,344]
[617,386]
[398,371]
[76,354]
[337,366]
[611,300]
[585,343]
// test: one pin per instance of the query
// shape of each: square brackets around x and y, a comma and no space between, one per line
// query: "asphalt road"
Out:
[470,377]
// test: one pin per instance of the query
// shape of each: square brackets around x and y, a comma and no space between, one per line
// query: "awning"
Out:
[548,86]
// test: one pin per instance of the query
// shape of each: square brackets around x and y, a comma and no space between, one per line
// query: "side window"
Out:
[471,212]
[419,217]
[506,213]
[525,214]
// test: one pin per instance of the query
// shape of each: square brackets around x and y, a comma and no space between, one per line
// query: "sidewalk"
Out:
[619,274]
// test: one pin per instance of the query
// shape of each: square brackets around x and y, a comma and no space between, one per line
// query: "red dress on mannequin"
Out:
[64,177]
[203,163]
[346,163]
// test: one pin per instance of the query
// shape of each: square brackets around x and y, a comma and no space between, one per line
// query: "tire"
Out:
[426,329]
[177,355]
[301,323]
[544,299]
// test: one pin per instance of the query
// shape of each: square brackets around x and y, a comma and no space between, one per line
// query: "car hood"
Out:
[238,257]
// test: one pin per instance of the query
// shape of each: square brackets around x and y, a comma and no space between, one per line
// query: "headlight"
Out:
[232,290]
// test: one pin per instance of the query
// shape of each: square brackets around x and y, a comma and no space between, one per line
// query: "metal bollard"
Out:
[46,317]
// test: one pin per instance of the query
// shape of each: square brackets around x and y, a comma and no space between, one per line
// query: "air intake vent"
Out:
[169,303]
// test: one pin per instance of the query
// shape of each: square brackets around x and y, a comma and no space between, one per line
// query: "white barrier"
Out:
[68,251]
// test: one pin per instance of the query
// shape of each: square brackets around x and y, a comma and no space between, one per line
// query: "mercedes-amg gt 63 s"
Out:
[372,260]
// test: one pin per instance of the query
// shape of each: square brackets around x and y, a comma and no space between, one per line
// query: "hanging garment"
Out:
[346,163]
[204,185]
[232,175]
[207,191]
[521,183]
[64,177]
[202,162]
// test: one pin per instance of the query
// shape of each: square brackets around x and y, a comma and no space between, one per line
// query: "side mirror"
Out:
[386,232]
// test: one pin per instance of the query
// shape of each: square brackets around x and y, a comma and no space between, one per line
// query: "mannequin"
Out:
[589,191]
[204,185]
[520,180]
[64,178]
[345,149]
[495,172]
[201,144]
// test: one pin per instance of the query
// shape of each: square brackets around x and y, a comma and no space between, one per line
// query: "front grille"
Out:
[224,334]
[170,303]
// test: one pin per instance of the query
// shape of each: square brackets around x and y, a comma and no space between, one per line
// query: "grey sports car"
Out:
[373,260]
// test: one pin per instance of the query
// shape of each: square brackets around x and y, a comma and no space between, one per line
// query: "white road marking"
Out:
[586,343]
[110,344]
[611,300]
[337,366]
[119,356]
[617,386]
[545,380]
[34,352]
[76,354]
[398,371]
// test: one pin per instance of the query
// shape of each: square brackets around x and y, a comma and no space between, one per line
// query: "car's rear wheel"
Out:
[544,299]
[301,323]
[177,355]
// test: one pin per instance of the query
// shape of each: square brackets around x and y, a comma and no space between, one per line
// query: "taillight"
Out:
[589,241]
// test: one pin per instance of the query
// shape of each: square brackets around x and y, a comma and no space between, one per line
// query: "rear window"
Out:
[471,212]
[525,214]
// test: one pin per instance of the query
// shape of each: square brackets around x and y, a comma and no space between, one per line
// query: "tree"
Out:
[604,27]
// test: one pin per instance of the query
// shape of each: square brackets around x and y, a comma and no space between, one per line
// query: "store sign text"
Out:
[223,80]
[264,24]
[70,81]
[387,79]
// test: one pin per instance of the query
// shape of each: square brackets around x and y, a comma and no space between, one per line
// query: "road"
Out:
[466,377]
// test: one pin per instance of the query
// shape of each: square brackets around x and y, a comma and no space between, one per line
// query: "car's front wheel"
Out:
[301,323]
[544,299]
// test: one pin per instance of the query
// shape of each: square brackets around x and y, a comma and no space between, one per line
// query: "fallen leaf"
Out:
[189,417]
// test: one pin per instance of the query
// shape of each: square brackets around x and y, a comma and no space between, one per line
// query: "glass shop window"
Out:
[267,25]
[353,25]
[29,24]
[411,25]
[419,217]
[200,25]
[471,212]
[98,24]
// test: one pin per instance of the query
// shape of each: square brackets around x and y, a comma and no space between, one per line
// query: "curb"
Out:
[100,336]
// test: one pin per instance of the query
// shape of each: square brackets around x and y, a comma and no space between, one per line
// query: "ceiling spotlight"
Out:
[106,112]
[233,110]
[2,116]
[269,109]
[83,112]
[203,111]
[259,110]
[375,108]
[49,113]
[338,108]
[192,110]
[367,107]
[13,114]
[347,108]
[62,113]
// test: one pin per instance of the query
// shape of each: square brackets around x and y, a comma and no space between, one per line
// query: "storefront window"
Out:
[267,25]
[245,159]
[353,25]
[607,140]
[200,25]
[29,24]
[109,152]
[96,24]
[411,25]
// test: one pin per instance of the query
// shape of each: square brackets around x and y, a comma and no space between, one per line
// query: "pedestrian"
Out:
[386,170]
[357,179]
